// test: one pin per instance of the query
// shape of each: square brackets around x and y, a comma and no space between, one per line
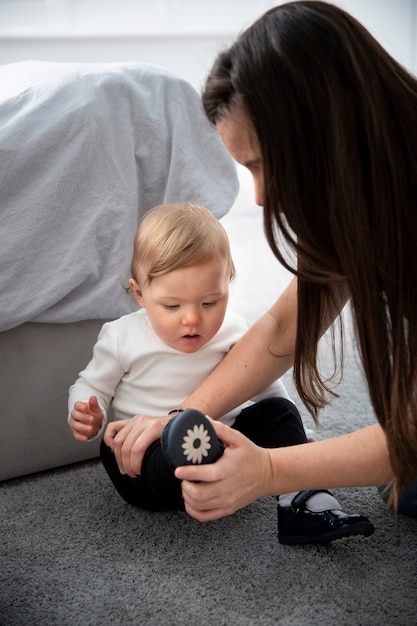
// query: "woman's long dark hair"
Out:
[336,120]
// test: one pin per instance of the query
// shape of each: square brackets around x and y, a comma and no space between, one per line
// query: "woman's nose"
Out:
[259,193]
[258,184]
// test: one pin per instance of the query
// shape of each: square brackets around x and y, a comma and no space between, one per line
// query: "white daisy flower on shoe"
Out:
[196,444]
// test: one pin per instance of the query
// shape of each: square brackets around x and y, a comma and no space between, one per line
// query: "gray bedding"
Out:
[85,151]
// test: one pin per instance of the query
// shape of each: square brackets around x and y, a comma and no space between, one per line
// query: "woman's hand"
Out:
[129,440]
[240,476]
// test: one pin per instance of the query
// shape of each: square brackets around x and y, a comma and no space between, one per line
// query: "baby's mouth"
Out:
[191,338]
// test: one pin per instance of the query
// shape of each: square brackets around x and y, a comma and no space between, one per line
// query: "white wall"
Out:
[182,35]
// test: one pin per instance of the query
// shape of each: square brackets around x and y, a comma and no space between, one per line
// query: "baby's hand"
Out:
[86,419]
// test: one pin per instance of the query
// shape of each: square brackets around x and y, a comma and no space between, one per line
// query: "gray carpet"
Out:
[74,554]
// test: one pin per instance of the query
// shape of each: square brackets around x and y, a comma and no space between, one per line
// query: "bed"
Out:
[85,151]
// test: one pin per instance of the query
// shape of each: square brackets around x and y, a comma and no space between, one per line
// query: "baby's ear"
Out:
[136,290]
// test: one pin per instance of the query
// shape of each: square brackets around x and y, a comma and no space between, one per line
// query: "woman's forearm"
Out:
[261,356]
[358,459]
[247,472]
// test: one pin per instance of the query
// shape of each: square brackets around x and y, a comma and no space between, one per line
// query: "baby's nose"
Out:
[191,317]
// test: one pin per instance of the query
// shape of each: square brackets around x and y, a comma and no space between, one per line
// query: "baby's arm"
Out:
[86,419]
[90,396]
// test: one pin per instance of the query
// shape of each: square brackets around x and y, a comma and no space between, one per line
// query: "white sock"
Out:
[318,502]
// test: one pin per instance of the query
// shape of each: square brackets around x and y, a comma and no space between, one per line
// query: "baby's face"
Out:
[186,307]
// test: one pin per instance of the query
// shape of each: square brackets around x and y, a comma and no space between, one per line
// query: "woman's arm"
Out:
[246,472]
[262,355]
[259,358]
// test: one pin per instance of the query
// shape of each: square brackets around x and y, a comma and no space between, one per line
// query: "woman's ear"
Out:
[136,290]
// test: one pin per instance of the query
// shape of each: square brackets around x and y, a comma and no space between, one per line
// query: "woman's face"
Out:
[239,137]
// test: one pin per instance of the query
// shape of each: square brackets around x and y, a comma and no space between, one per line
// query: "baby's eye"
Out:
[207,305]
[171,307]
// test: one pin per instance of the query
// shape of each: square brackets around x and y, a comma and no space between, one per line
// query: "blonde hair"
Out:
[172,236]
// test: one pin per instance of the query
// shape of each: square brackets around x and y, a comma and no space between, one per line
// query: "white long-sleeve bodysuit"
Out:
[135,371]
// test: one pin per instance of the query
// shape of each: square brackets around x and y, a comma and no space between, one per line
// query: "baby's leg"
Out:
[272,423]
[156,489]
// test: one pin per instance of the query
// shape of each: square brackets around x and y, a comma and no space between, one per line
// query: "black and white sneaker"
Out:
[189,438]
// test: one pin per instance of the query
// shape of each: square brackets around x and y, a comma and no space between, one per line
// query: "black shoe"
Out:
[189,438]
[299,526]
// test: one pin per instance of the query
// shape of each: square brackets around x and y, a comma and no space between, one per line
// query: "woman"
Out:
[325,120]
